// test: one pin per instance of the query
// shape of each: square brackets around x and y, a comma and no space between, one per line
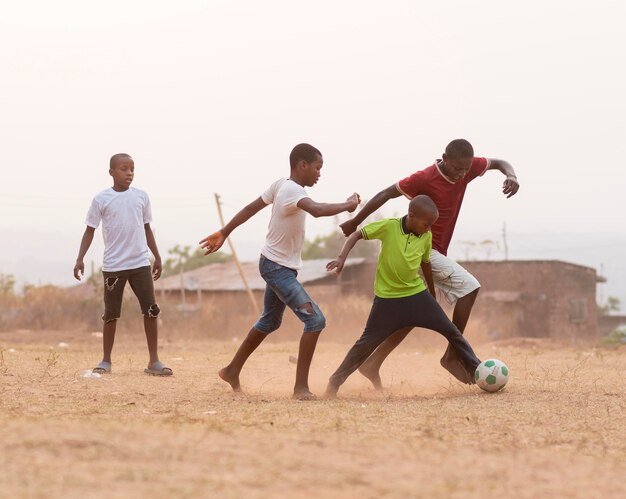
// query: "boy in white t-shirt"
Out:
[125,214]
[280,261]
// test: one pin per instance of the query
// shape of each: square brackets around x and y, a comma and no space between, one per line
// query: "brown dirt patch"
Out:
[557,430]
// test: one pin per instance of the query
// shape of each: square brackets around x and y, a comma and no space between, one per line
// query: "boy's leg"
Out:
[360,351]
[270,320]
[142,284]
[231,372]
[314,322]
[460,317]
[428,314]
[151,327]
[114,283]
[286,290]
[371,367]
[308,341]
[108,338]
[460,288]
[380,324]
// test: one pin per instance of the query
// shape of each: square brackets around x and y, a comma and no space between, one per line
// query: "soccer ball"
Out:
[491,375]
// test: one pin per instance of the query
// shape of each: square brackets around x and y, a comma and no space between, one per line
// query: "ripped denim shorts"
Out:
[284,290]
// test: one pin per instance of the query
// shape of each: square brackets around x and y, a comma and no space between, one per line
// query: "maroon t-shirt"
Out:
[447,195]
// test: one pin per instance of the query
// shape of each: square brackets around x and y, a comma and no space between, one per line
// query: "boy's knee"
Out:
[267,327]
[153,311]
[312,317]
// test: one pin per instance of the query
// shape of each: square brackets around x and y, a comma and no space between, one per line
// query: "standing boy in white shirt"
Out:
[125,214]
[280,261]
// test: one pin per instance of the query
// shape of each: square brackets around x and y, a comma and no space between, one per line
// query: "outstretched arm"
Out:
[213,242]
[349,226]
[329,209]
[345,251]
[79,266]
[510,185]
[427,271]
[158,267]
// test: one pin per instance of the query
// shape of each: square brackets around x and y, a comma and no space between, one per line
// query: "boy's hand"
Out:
[353,202]
[348,227]
[510,186]
[157,268]
[213,242]
[336,265]
[79,269]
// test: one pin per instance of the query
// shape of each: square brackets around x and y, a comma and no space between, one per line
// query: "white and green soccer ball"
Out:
[491,375]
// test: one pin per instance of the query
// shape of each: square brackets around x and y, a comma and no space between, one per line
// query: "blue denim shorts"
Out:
[283,289]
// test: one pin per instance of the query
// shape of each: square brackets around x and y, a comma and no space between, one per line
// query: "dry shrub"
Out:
[220,316]
[45,307]
[232,316]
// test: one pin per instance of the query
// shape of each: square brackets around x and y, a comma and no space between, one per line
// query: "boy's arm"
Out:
[427,272]
[510,185]
[345,251]
[79,266]
[213,242]
[349,226]
[157,268]
[329,209]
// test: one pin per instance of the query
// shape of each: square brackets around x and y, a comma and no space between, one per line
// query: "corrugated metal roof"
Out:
[225,276]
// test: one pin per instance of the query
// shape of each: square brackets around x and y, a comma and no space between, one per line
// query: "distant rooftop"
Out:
[225,276]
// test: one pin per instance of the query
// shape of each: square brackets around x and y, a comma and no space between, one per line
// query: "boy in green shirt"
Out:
[401,298]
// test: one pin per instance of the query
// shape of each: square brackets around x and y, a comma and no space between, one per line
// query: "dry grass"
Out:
[557,430]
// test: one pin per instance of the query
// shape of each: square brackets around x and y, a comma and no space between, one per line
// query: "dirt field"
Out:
[557,430]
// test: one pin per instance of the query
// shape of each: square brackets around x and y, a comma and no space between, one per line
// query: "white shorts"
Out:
[450,278]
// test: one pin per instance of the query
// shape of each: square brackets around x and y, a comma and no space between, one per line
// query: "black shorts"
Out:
[140,282]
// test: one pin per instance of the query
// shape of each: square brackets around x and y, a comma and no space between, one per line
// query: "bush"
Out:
[616,338]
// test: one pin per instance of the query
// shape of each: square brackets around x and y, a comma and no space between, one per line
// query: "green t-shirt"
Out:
[400,258]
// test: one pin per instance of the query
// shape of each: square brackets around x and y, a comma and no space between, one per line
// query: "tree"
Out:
[612,305]
[7,284]
[330,245]
[184,259]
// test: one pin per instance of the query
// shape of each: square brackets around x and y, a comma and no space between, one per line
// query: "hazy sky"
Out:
[210,96]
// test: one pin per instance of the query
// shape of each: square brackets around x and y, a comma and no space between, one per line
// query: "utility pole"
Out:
[182,284]
[506,247]
[232,250]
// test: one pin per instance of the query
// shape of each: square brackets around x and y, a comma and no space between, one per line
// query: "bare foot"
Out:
[372,374]
[231,379]
[303,394]
[454,366]
[331,392]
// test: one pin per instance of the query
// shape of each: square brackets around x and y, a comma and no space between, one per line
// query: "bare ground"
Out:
[557,430]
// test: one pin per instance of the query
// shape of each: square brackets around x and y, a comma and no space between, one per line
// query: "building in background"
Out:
[528,298]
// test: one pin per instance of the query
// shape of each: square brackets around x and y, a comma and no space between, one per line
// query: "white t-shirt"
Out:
[123,215]
[285,236]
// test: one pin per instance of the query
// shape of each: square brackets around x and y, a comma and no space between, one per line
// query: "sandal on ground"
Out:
[102,368]
[158,369]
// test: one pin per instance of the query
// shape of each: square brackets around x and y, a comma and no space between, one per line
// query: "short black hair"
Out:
[303,151]
[460,148]
[118,156]
[423,203]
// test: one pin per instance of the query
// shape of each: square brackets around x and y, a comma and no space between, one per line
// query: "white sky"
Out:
[211,97]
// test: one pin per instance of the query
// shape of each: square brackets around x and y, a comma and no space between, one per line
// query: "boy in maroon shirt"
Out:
[445,182]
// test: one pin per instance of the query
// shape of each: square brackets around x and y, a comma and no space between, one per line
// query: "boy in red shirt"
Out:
[445,182]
